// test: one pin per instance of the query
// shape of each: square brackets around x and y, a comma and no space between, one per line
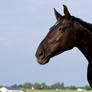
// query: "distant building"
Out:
[33,88]
[57,89]
[79,89]
[7,89]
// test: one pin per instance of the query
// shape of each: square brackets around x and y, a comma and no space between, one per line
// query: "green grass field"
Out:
[55,91]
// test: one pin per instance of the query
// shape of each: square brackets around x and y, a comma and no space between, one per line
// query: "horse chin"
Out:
[44,61]
[47,59]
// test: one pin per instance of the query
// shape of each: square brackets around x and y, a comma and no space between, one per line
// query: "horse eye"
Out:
[62,29]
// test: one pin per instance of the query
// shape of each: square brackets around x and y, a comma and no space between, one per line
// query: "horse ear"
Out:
[57,14]
[66,12]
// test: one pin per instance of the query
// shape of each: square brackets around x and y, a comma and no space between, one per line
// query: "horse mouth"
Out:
[43,61]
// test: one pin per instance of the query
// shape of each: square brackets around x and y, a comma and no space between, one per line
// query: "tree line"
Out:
[44,86]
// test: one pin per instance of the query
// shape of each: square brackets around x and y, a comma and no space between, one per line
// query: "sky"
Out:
[23,25]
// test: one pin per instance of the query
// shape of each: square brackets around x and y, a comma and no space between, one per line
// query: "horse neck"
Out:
[85,44]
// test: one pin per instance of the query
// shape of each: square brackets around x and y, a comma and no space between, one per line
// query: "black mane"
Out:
[84,24]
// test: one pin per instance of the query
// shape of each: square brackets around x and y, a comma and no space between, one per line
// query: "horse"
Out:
[68,32]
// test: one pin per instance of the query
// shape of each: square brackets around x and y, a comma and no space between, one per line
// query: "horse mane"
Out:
[84,24]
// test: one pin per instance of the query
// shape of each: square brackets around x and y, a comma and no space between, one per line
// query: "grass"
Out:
[56,91]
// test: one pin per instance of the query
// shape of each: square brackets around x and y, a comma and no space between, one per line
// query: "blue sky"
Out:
[23,25]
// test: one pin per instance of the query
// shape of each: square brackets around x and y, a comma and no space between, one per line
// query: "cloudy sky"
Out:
[23,25]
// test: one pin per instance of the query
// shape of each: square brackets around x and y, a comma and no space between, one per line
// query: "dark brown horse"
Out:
[68,32]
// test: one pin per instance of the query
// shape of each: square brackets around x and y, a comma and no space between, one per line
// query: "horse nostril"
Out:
[41,54]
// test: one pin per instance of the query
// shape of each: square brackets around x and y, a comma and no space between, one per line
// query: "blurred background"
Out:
[23,25]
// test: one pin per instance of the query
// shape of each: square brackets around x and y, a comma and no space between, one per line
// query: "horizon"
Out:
[40,84]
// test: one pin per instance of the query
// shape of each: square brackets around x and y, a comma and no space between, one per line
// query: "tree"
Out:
[14,86]
[20,86]
[57,85]
[87,88]
[62,86]
[37,86]
[27,85]
[72,87]
[43,86]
